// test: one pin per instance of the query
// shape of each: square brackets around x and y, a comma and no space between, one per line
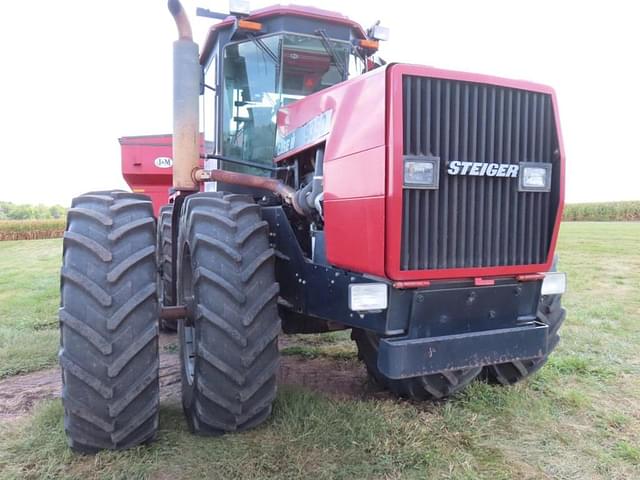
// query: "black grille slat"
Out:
[473,153]
[507,186]
[462,247]
[491,124]
[455,152]
[480,225]
[497,232]
[472,221]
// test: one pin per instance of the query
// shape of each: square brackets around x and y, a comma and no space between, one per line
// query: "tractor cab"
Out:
[254,65]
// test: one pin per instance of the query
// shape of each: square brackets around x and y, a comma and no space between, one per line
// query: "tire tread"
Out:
[236,317]
[110,383]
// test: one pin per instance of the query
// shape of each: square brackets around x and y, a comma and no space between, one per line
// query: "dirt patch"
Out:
[336,378]
[19,394]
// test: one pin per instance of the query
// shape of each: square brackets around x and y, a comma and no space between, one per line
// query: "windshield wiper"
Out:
[331,51]
[265,49]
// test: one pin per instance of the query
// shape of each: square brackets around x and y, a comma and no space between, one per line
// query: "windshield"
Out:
[263,74]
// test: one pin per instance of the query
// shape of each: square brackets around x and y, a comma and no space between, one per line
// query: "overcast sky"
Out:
[76,75]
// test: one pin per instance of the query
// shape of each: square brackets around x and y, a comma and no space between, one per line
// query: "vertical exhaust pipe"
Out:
[186,94]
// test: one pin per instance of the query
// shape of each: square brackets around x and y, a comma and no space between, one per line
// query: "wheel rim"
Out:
[188,330]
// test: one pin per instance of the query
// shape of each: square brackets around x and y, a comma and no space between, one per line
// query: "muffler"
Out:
[186,96]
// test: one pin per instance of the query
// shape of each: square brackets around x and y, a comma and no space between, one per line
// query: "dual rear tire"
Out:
[164,260]
[109,317]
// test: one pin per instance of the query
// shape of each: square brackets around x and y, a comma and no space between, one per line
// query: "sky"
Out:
[77,75]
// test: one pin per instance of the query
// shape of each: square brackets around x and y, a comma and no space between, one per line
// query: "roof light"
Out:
[239,7]
[379,32]
[370,44]
[251,26]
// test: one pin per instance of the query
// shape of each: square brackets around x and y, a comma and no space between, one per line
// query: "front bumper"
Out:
[404,358]
[452,328]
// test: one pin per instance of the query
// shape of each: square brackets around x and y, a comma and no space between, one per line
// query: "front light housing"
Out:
[421,172]
[365,297]
[554,283]
[535,177]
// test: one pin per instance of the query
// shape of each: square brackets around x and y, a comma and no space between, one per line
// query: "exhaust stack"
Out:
[186,93]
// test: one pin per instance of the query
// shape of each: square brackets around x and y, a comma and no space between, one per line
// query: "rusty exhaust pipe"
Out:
[186,95]
[274,185]
[182,22]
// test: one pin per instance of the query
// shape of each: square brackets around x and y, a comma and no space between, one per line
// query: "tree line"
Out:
[12,211]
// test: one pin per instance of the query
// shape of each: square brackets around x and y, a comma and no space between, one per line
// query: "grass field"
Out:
[579,418]
[29,297]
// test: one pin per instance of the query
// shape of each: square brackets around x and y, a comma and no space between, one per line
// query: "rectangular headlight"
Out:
[367,296]
[421,172]
[554,283]
[535,177]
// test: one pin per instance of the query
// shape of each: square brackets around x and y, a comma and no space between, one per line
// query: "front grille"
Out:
[477,221]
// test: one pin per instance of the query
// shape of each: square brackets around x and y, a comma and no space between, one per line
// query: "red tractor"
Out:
[328,190]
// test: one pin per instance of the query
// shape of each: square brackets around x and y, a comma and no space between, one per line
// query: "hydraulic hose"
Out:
[274,185]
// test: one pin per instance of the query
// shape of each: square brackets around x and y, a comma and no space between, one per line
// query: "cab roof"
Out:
[280,11]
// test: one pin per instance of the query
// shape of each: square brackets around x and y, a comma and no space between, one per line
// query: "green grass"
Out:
[337,345]
[603,211]
[29,298]
[577,419]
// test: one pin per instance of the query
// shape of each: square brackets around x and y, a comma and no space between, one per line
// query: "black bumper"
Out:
[451,328]
[403,358]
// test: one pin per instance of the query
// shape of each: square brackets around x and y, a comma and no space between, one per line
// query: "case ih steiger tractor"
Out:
[328,190]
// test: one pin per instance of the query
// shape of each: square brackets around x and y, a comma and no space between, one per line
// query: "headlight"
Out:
[535,177]
[367,296]
[421,172]
[554,283]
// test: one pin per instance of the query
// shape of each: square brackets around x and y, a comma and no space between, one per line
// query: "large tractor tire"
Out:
[550,312]
[228,344]
[427,387]
[108,321]
[164,246]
